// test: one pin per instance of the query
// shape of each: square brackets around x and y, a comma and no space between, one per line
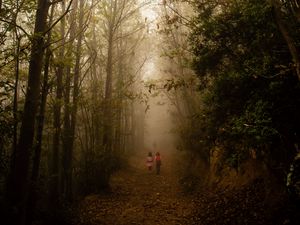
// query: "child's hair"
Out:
[149,153]
[157,153]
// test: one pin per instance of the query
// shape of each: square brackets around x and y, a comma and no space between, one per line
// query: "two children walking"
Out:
[150,161]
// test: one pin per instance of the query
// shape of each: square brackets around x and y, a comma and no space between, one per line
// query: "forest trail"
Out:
[140,197]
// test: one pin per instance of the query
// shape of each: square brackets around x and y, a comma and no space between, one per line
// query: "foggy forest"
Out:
[143,112]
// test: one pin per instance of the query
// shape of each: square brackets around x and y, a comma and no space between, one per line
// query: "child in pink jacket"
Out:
[149,161]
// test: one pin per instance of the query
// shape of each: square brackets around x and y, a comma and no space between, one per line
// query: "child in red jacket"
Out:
[157,162]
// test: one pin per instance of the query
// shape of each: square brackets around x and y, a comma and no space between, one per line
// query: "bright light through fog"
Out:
[149,13]
[149,70]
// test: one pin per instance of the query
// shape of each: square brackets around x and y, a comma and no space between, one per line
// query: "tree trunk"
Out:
[120,82]
[107,113]
[15,107]
[107,137]
[33,194]
[54,169]
[287,37]
[19,176]
[67,133]
[69,192]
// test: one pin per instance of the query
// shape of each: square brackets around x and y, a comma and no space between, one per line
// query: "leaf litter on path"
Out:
[139,197]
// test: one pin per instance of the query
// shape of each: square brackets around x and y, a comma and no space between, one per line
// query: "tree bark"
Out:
[15,107]
[33,194]
[18,184]
[107,137]
[286,35]
[69,183]
[120,82]
[54,169]
[107,114]
[67,133]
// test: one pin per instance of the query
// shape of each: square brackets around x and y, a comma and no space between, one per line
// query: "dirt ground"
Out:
[140,196]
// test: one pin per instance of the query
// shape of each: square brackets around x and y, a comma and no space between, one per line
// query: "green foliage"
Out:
[255,124]
[249,88]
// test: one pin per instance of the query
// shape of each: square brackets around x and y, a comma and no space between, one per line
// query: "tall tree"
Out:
[76,89]
[18,183]
[33,192]
[285,31]
[59,72]
[111,24]
[67,133]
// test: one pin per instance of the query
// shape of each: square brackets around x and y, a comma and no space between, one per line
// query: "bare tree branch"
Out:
[16,25]
[59,19]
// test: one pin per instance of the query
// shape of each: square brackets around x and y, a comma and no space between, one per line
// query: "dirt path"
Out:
[143,198]
[140,197]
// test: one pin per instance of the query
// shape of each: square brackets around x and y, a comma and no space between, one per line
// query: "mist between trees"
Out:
[86,84]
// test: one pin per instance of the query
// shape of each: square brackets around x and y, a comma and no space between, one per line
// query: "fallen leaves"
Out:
[138,197]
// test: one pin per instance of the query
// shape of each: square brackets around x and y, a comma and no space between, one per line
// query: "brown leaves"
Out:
[244,206]
[139,197]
